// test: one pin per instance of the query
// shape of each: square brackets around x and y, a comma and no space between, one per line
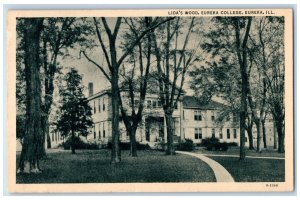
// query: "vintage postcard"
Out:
[191,100]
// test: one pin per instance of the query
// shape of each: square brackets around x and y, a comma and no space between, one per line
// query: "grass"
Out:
[236,150]
[253,170]
[94,167]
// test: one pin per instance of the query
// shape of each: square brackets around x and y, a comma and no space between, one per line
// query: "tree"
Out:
[135,83]
[173,57]
[113,64]
[231,36]
[58,35]
[30,155]
[76,114]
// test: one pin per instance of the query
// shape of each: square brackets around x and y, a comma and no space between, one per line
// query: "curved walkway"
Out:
[222,175]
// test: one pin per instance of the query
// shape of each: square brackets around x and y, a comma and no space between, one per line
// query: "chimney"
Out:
[91,88]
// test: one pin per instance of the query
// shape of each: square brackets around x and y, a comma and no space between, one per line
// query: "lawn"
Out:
[93,166]
[236,150]
[253,170]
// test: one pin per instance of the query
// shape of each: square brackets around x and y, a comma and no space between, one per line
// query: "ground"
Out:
[93,166]
[254,168]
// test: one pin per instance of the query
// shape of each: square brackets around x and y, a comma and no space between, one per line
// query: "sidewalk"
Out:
[221,174]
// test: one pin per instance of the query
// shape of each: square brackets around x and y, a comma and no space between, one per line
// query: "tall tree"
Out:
[58,35]
[30,155]
[135,80]
[173,57]
[76,114]
[230,35]
[113,64]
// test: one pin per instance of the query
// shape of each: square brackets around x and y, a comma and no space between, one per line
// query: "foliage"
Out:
[76,115]
[21,126]
[78,143]
[187,145]
[213,144]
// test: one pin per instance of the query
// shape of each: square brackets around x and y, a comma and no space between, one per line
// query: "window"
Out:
[228,118]
[95,107]
[212,118]
[198,133]
[246,139]
[94,134]
[99,133]
[103,131]
[148,104]
[159,104]
[103,109]
[99,105]
[228,133]
[183,114]
[213,133]
[154,104]
[234,134]
[197,115]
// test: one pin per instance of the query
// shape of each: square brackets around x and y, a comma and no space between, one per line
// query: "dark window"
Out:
[103,106]
[213,133]
[234,134]
[198,133]
[228,133]
[99,134]
[197,115]
[246,139]
[212,118]
[176,105]
[148,104]
[95,107]
[99,106]
[159,103]
[183,114]
[94,134]
[103,133]
[221,133]
[154,104]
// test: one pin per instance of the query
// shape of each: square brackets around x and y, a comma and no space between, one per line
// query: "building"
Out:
[193,120]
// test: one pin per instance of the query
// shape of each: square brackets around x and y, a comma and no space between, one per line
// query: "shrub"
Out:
[188,145]
[79,144]
[213,144]
[209,141]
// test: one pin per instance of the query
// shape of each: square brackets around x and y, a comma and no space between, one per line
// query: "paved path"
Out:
[221,174]
[236,156]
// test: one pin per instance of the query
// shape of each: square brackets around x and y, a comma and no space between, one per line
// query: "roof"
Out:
[98,94]
[194,102]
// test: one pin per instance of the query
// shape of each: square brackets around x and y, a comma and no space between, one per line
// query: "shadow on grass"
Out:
[253,170]
[94,167]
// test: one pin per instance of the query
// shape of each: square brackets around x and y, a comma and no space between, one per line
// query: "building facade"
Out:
[192,120]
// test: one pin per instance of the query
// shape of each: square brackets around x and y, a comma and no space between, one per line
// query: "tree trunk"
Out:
[275,136]
[259,138]
[73,142]
[250,137]
[116,151]
[170,145]
[133,147]
[264,133]
[280,133]
[30,155]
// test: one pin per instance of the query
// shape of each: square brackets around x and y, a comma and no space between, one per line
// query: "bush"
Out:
[213,144]
[126,146]
[209,142]
[79,144]
[188,145]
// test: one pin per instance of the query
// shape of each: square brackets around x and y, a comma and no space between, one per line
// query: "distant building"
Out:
[192,120]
